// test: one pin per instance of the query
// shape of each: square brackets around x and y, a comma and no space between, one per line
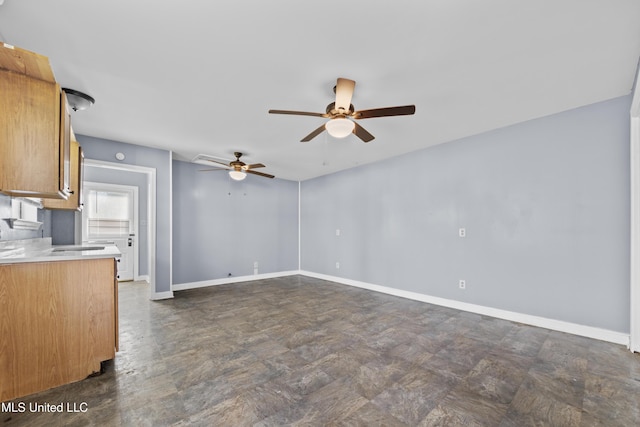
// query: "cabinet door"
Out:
[74,201]
[34,128]
[81,179]
[64,165]
[58,322]
[115,305]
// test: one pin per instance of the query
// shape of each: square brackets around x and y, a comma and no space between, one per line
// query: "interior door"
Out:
[110,217]
[125,262]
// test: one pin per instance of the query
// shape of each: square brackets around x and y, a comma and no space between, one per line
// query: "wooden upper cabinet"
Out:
[24,62]
[35,127]
[75,200]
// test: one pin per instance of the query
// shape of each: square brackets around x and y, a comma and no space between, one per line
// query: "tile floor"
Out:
[302,351]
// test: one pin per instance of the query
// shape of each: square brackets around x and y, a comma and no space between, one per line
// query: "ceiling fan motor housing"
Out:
[332,111]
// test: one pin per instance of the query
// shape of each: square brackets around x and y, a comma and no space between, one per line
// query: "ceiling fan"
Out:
[340,111]
[238,169]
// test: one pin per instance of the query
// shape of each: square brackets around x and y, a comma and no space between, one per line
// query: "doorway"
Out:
[110,216]
[147,230]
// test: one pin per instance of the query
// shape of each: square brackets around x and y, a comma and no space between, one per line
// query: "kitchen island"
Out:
[58,314]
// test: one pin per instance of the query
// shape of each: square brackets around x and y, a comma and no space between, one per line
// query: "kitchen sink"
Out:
[77,248]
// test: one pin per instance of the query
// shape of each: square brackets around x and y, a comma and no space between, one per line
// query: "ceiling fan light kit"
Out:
[237,175]
[340,127]
[340,111]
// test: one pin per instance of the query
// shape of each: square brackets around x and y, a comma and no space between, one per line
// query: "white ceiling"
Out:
[199,76]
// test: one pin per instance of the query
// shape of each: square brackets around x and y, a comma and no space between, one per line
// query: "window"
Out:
[108,213]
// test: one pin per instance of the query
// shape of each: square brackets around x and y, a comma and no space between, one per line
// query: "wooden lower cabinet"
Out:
[58,322]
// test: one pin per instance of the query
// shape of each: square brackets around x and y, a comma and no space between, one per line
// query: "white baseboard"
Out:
[227,280]
[542,322]
[144,277]
[161,295]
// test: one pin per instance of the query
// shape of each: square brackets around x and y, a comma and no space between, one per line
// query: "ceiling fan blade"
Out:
[361,133]
[266,175]
[298,113]
[211,170]
[253,166]
[344,93]
[313,134]
[405,110]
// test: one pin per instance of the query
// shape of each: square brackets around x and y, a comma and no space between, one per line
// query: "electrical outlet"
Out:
[462,232]
[337,265]
[462,284]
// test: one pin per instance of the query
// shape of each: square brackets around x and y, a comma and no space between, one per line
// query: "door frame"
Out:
[90,185]
[634,336]
[150,173]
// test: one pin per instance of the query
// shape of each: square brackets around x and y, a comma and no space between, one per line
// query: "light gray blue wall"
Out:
[135,179]
[222,227]
[63,227]
[160,160]
[8,233]
[545,204]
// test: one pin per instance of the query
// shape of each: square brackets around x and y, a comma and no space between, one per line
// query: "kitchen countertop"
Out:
[41,250]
